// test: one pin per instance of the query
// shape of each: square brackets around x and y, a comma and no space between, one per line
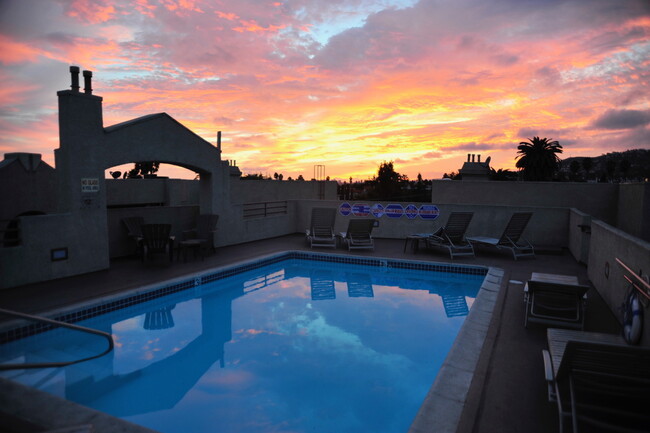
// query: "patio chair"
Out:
[200,237]
[452,235]
[511,238]
[134,231]
[555,304]
[156,239]
[359,234]
[321,230]
[599,382]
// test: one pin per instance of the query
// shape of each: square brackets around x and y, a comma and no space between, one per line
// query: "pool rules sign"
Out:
[89,192]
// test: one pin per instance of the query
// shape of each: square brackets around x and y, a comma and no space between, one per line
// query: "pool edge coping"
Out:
[443,410]
[445,404]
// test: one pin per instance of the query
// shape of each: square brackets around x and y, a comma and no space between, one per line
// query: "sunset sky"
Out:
[343,83]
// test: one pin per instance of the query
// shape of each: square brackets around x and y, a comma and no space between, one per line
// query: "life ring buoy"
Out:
[632,319]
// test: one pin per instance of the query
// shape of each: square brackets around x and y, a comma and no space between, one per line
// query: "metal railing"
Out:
[106,335]
[635,280]
[269,208]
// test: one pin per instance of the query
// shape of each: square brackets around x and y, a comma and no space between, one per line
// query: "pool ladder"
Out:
[106,335]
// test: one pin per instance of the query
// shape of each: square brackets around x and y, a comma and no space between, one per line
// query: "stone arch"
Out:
[159,137]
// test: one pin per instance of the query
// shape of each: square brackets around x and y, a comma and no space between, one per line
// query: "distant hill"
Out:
[630,165]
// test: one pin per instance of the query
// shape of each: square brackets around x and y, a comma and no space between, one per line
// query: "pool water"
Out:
[295,346]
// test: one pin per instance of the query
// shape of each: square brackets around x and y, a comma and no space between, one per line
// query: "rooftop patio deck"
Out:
[509,391]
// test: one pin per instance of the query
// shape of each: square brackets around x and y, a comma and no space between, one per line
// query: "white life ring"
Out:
[632,319]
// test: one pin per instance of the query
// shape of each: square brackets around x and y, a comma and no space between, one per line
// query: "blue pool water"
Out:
[294,346]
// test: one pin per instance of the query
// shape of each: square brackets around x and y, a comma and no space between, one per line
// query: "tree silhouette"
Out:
[610,168]
[574,167]
[537,159]
[142,168]
[388,181]
[624,167]
[587,163]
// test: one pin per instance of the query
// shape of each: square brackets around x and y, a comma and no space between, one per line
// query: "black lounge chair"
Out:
[599,382]
[511,238]
[134,231]
[156,239]
[199,238]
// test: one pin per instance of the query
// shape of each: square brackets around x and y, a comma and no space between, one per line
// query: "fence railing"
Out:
[265,209]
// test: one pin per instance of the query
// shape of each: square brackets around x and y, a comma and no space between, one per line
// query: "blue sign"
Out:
[394,210]
[360,209]
[345,209]
[377,210]
[411,211]
[429,211]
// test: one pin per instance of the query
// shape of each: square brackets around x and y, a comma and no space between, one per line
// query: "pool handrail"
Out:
[106,335]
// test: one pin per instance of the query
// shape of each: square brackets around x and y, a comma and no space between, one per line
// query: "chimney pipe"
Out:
[479,158]
[87,82]
[468,157]
[473,157]
[74,74]
[219,140]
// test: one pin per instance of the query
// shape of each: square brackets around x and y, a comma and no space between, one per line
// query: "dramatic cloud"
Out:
[622,119]
[344,83]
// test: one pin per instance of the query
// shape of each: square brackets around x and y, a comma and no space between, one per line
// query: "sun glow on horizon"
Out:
[347,85]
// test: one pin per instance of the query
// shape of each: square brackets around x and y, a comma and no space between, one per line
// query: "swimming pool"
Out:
[297,342]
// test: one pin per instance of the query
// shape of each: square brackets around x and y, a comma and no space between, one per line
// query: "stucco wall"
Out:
[606,245]
[31,261]
[579,235]
[634,209]
[253,191]
[171,192]
[23,190]
[597,199]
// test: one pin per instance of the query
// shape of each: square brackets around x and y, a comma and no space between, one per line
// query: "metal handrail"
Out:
[106,335]
[640,284]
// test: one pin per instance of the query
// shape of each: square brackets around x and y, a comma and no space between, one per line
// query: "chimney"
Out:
[468,157]
[74,74]
[219,140]
[479,158]
[473,157]
[88,75]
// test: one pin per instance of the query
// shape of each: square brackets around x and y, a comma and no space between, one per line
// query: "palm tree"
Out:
[538,158]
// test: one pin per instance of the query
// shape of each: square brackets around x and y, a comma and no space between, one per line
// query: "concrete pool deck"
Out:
[507,392]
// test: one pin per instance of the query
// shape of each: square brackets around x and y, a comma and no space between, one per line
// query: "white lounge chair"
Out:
[556,304]
[321,230]
[511,238]
[359,234]
[452,235]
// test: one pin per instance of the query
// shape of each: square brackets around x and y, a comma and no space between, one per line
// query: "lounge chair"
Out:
[599,382]
[156,239]
[359,234]
[511,238]
[555,304]
[452,235]
[321,230]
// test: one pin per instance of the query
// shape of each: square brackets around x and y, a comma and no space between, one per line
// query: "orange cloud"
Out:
[12,51]
[91,11]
